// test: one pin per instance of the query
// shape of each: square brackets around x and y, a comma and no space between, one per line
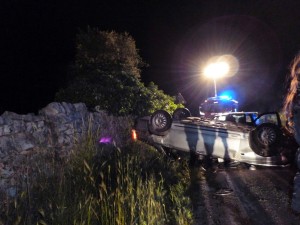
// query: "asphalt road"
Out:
[243,195]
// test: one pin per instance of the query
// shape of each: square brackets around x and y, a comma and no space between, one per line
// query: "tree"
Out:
[159,100]
[106,52]
[106,73]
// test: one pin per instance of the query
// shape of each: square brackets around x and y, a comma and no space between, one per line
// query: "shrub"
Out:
[106,73]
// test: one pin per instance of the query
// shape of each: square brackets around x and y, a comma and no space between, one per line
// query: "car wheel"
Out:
[181,113]
[160,122]
[265,139]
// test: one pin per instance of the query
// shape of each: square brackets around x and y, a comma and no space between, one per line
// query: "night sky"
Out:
[174,37]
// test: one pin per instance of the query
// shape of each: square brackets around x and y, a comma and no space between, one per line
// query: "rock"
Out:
[12,192]
[50,110]
[57,129]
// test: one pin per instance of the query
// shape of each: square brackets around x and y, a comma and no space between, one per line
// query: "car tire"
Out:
[265,139]
[160,122]
[181,113]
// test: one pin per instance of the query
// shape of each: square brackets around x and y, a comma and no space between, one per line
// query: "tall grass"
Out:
[103,184]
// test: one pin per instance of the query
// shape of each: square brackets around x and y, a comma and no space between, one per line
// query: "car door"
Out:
[268,117]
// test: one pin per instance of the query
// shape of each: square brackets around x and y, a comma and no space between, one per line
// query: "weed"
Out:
[103,184]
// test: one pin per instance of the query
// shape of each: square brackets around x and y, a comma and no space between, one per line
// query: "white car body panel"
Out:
[211,137]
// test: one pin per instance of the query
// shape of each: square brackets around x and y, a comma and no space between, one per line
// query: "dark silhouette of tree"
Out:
[106,73]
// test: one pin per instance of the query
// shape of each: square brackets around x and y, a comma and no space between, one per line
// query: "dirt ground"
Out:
[243,195]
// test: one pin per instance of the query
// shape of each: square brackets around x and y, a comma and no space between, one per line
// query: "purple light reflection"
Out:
[105,140]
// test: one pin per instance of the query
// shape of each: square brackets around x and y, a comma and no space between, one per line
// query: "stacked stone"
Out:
[56,130]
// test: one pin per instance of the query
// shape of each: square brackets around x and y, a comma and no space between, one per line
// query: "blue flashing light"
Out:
[225,97]
[228,94]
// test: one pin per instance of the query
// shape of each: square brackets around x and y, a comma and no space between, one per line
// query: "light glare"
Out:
[220,66]
[216,70]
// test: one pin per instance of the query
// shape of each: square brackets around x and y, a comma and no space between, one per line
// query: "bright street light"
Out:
[215,69]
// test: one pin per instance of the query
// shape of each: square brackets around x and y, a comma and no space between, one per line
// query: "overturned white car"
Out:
[237,136]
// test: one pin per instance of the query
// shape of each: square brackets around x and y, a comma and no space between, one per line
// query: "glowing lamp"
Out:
[220,66]
[216,70]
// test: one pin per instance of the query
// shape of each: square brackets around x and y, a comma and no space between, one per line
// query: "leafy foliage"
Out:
[107,52]
[106,74]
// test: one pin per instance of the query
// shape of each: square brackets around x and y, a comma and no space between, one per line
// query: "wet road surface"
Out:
[243,195]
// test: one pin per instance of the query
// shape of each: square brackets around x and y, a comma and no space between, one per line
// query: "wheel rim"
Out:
[267,136]
[159,121]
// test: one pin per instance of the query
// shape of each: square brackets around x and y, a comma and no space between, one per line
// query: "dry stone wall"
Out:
[57,128]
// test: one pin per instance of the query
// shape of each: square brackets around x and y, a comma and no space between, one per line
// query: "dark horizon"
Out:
[174,38]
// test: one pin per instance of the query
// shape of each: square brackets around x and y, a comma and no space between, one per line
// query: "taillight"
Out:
[133,135]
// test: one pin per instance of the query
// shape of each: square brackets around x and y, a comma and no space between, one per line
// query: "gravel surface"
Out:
[243,195]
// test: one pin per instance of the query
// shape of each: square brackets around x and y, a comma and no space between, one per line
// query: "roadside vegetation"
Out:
[103,184]
[106,74]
